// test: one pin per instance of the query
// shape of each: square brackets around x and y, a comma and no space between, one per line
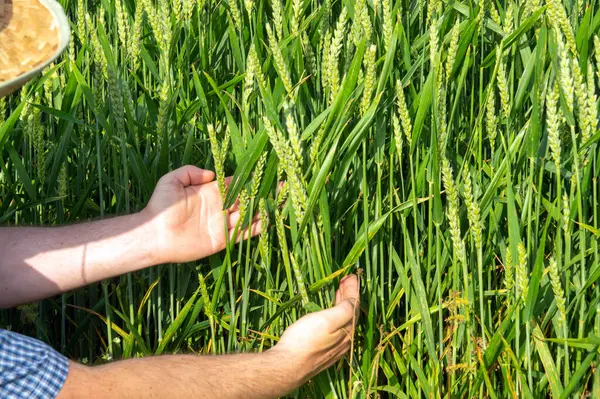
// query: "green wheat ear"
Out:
[452,49]
[491,121]
[557,289]
[136,36]
[370,72]
[403,113]
[452,211]
[280,64]
[522,273]
[122,22]
[219,151]
[335,48]
[503,87]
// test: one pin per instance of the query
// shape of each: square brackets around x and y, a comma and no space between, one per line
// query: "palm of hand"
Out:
[192,219]
[187,208]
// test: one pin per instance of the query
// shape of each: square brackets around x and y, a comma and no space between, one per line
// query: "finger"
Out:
[234,217]
[338,297]
[337,355]
[227,182]
[345,278]
[349,288]
[189,175]
[344,348]
[236,204]
[338,316]
[254,230]
[349,291]
[348,330]
[235,207]
[251,231]
[343,335]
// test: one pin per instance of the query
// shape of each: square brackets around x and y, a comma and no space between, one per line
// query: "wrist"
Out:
[297,366]
[151,238]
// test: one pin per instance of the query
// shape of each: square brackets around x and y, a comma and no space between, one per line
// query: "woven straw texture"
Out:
[29,36]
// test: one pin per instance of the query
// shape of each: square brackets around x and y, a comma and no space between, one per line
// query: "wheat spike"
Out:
[263,240]
[219,159]
[503,85]
[403,111]
[277,18]
[566,80]
[522,273]
[452,49]
[294,135]
[251,69]
[559,294]
[335,50]
[553,116]
[122,22]
[138,30]
[433,43]
[257,176]
[580,96]
[491,123]
[473,212]
[387,22]
[369,65]
[452,212]
[280,64]
[236,14]
[297,11]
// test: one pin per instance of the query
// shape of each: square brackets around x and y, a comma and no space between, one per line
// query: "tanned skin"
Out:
[183,222]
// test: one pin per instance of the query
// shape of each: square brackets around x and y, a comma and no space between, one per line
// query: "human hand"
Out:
[318,340]
[186,212]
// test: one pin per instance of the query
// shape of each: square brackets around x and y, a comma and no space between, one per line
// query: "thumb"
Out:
[339,316]
[347,297]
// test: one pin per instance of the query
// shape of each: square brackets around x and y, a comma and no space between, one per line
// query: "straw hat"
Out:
[32,34]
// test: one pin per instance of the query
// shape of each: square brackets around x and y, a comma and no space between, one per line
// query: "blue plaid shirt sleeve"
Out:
[29,368]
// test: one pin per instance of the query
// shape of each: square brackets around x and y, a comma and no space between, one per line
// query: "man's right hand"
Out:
[186,215]
[308,347]
[318,340]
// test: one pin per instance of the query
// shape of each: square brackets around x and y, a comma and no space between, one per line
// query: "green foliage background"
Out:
[446,149]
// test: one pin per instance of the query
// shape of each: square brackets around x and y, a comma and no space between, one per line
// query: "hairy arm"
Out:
[261,375]
[182,222]
[38,262]
[309,346]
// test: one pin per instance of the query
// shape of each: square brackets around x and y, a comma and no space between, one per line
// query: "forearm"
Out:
[262,375]
[40,262]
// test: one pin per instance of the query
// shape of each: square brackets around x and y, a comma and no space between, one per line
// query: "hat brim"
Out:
[64,32]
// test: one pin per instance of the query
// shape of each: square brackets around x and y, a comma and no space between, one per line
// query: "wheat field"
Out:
[446,151]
